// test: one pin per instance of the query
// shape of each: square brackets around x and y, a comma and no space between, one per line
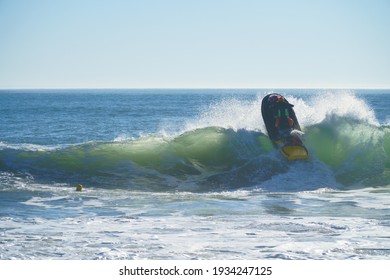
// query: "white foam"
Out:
[28,147]
[333,103]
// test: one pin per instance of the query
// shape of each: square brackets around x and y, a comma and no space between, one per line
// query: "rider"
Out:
[281,110]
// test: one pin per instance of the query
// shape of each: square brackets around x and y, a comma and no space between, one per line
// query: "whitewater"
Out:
[192,174]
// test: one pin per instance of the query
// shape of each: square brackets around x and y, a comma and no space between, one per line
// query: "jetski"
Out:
[283,127]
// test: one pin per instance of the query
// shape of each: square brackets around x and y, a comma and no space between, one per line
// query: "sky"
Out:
[194,44]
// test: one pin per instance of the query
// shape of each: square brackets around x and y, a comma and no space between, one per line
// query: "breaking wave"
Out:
[225,148]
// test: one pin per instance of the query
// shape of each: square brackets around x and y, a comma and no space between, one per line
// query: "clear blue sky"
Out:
[194,44]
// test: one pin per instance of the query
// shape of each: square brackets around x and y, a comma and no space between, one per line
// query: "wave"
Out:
[356,151]
[348,149]
[147,162]
[343,152]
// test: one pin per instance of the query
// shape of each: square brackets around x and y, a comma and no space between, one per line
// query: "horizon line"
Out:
[192,88]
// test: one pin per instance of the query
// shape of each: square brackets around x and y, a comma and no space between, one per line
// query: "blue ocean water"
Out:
[191,174]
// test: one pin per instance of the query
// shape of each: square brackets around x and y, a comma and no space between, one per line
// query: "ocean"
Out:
[190,174]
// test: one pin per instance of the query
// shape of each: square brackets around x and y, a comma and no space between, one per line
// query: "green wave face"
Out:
[152,160]
[213,158]
[357,152]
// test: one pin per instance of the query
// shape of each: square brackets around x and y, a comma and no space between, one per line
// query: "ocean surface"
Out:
[191,174]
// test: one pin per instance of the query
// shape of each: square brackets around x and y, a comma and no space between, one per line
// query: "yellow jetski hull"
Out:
[294,152]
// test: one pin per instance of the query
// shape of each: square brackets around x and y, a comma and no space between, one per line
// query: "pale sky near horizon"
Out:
[194,44]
